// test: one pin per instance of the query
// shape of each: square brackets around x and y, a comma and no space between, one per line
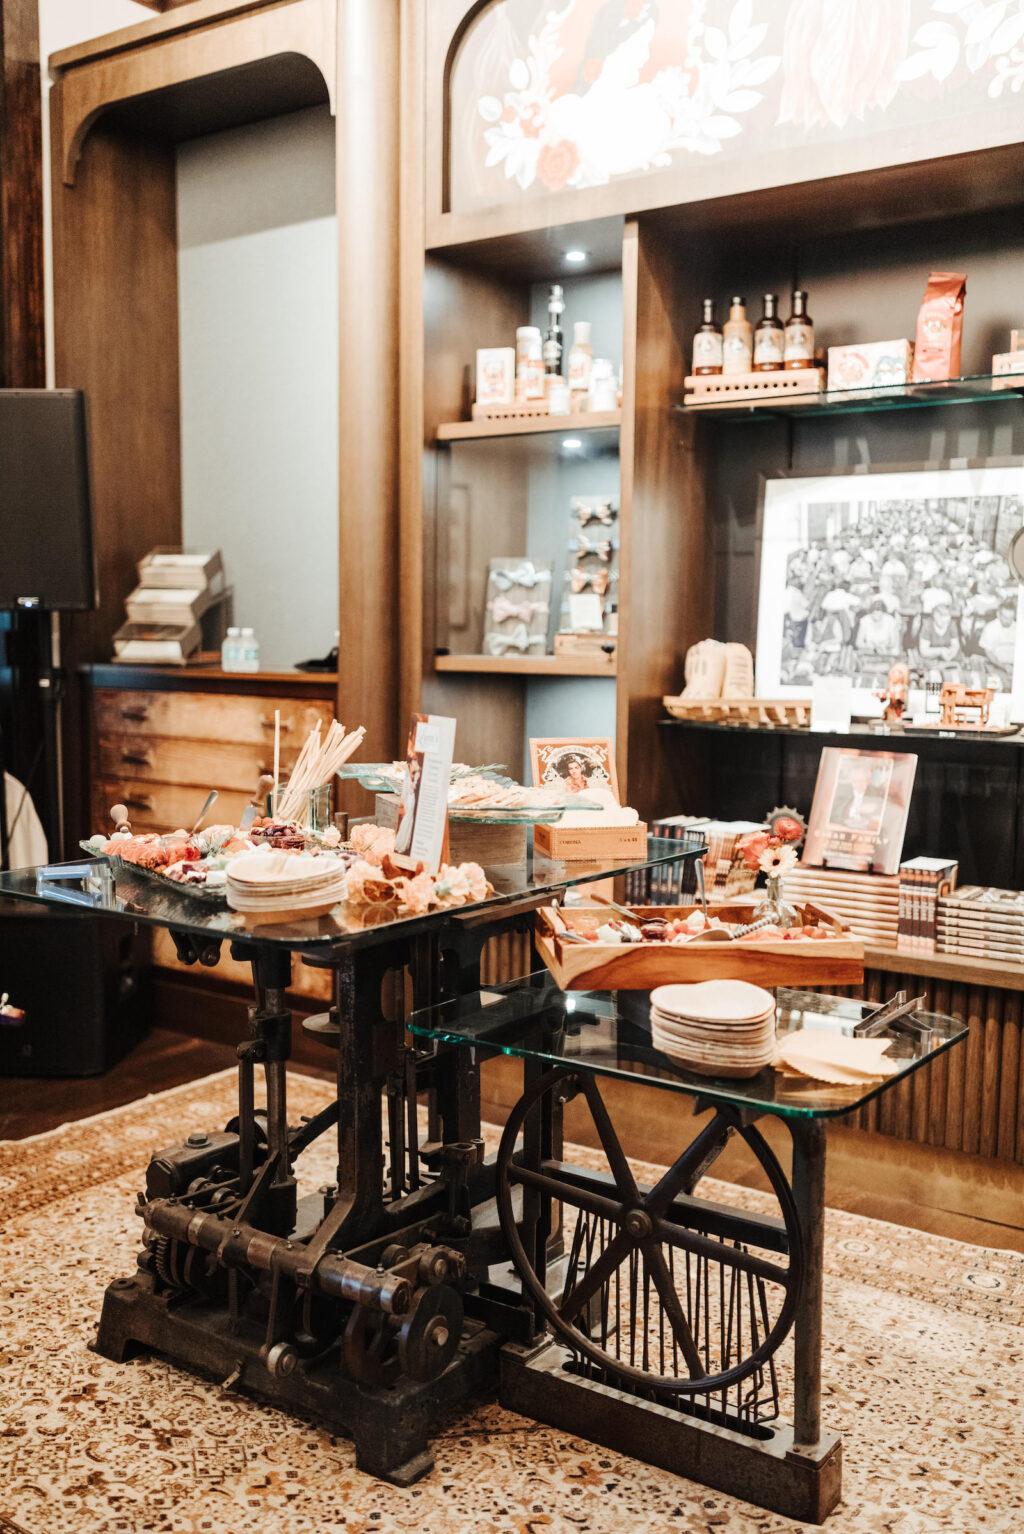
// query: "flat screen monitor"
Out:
[46,549]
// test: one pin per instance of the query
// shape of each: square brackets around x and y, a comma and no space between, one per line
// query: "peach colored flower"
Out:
[373,843]
[556,163]
[479,887]
[416,895]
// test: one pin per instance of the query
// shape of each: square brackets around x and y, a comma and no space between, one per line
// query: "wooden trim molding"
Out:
[203,39]
[22,349]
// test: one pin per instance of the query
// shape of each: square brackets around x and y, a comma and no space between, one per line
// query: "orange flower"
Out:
[752,847]
[556,163]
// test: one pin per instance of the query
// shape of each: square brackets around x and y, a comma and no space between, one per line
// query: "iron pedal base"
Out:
[390,1427]
[764,1470]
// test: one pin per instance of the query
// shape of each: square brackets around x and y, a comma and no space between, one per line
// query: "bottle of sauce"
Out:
[553,343]
[707,343]
[769,338]
[581,357]
[798,349]
[737,340]
[529,363]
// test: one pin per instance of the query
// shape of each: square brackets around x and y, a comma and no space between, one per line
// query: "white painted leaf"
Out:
[934,34]
[750,42]
[741,101]
[1009,34]
[985,23]
[760,70]
[917,66]
[739,21]
[722,127]
[489,108]
[518,74]
[715,45]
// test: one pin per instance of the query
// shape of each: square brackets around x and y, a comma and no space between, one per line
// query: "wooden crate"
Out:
[641,966]
[583,843]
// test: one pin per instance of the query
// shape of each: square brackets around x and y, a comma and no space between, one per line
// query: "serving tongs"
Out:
[895,1015]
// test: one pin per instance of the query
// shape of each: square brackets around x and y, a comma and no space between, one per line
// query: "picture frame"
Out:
[859,812]
[552,760]
[861,570]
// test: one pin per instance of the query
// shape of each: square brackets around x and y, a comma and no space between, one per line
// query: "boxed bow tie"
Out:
[517,606]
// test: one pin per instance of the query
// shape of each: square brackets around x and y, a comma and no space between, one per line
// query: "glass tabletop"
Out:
[609,1033]
[95,885]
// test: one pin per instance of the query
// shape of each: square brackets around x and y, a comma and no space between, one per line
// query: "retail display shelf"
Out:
[957,967]
[529,665]
[979,388]
[857,734]
[528,426]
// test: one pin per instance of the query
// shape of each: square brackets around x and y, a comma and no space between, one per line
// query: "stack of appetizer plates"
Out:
[716,1028]
[272,885]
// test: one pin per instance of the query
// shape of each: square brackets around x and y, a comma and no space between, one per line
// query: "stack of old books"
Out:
[725,873]
[176,587]
[867,903]
[923,883]
[982,923]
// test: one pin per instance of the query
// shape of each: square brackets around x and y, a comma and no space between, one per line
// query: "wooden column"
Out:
[368,100]
[22,351]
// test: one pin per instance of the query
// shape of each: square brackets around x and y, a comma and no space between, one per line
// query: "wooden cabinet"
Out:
[159,738]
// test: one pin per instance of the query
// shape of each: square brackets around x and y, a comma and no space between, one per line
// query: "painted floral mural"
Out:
[556,94]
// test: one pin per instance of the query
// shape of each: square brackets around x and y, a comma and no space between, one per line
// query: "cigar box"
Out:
[582,843]
[870,365]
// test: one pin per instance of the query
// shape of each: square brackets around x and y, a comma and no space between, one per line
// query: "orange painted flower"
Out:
[556,163]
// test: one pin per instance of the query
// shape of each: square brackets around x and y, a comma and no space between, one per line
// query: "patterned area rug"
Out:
[924,1348]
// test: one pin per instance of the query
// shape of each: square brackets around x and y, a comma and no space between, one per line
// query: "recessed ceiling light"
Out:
[571,443]
[576,256]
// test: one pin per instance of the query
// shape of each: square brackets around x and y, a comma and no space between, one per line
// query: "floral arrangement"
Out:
[774,850]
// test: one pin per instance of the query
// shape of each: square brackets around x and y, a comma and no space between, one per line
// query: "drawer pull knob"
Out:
[138,803]
[136,758]
[268,724]
[140,714]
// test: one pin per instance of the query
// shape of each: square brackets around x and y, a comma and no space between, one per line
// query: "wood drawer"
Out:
[305,981]
[204,763]
[235,717]
[161,806]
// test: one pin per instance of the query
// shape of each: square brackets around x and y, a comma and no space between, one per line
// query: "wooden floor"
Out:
[867,1174]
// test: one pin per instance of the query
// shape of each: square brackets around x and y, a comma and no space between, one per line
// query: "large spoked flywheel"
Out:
[665,1292]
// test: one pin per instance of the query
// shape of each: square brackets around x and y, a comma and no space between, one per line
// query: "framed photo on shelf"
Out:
[859,812]
[577,766]
[859,571]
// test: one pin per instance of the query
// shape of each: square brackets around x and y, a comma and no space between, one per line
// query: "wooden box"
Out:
[641,966]
[582,843]
[486,842]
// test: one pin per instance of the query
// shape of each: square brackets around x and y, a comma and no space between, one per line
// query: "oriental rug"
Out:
[923,1377]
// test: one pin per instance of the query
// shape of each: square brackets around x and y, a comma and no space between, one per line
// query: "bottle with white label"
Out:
[581,357]
[769,338]
[603,392]
[799,342]
[249,659]
[229,650]
[737,339]
[707,343]
[529,363]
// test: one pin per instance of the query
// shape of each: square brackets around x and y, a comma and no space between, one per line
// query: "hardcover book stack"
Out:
[923,882]
[982,923]
[867,903]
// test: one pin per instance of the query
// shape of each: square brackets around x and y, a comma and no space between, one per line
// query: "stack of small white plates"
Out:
[716,1028]
[271,883]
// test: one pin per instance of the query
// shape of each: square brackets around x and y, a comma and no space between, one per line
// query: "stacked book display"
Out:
[175,589]
[923,882]
[982,923]
[726,875]
[867,903]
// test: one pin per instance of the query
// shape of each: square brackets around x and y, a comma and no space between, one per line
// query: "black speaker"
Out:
[83,983]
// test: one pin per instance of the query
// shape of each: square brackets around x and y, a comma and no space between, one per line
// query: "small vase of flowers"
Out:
[773,852]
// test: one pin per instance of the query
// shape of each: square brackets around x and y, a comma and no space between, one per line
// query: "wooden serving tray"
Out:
[751,713]
[642,966]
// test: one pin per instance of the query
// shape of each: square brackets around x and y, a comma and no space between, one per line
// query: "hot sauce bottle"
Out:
[769,338]
[707,343]
[799,343]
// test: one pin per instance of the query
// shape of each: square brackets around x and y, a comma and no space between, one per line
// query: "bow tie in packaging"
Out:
[589,586]
[518,604]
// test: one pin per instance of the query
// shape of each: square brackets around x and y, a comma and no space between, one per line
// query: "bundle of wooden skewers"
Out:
[318,761]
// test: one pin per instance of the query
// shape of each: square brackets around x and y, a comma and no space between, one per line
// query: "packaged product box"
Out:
[940,323]
[1007,366]
[871,365]
[495,375]
[1017,340]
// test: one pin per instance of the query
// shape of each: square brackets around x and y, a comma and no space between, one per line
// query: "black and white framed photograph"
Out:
[860,571]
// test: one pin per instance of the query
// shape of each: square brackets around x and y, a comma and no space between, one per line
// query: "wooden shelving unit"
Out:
[528,426]
[958,968]
[528,665]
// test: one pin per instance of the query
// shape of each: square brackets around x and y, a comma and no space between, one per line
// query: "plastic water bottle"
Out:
[249,659]
[230,651]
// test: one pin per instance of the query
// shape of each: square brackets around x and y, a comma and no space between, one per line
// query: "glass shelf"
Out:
[609,1033]
[857,734]
[977,388]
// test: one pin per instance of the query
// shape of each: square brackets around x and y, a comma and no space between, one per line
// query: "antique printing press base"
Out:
[706,1404]
[367,1305]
